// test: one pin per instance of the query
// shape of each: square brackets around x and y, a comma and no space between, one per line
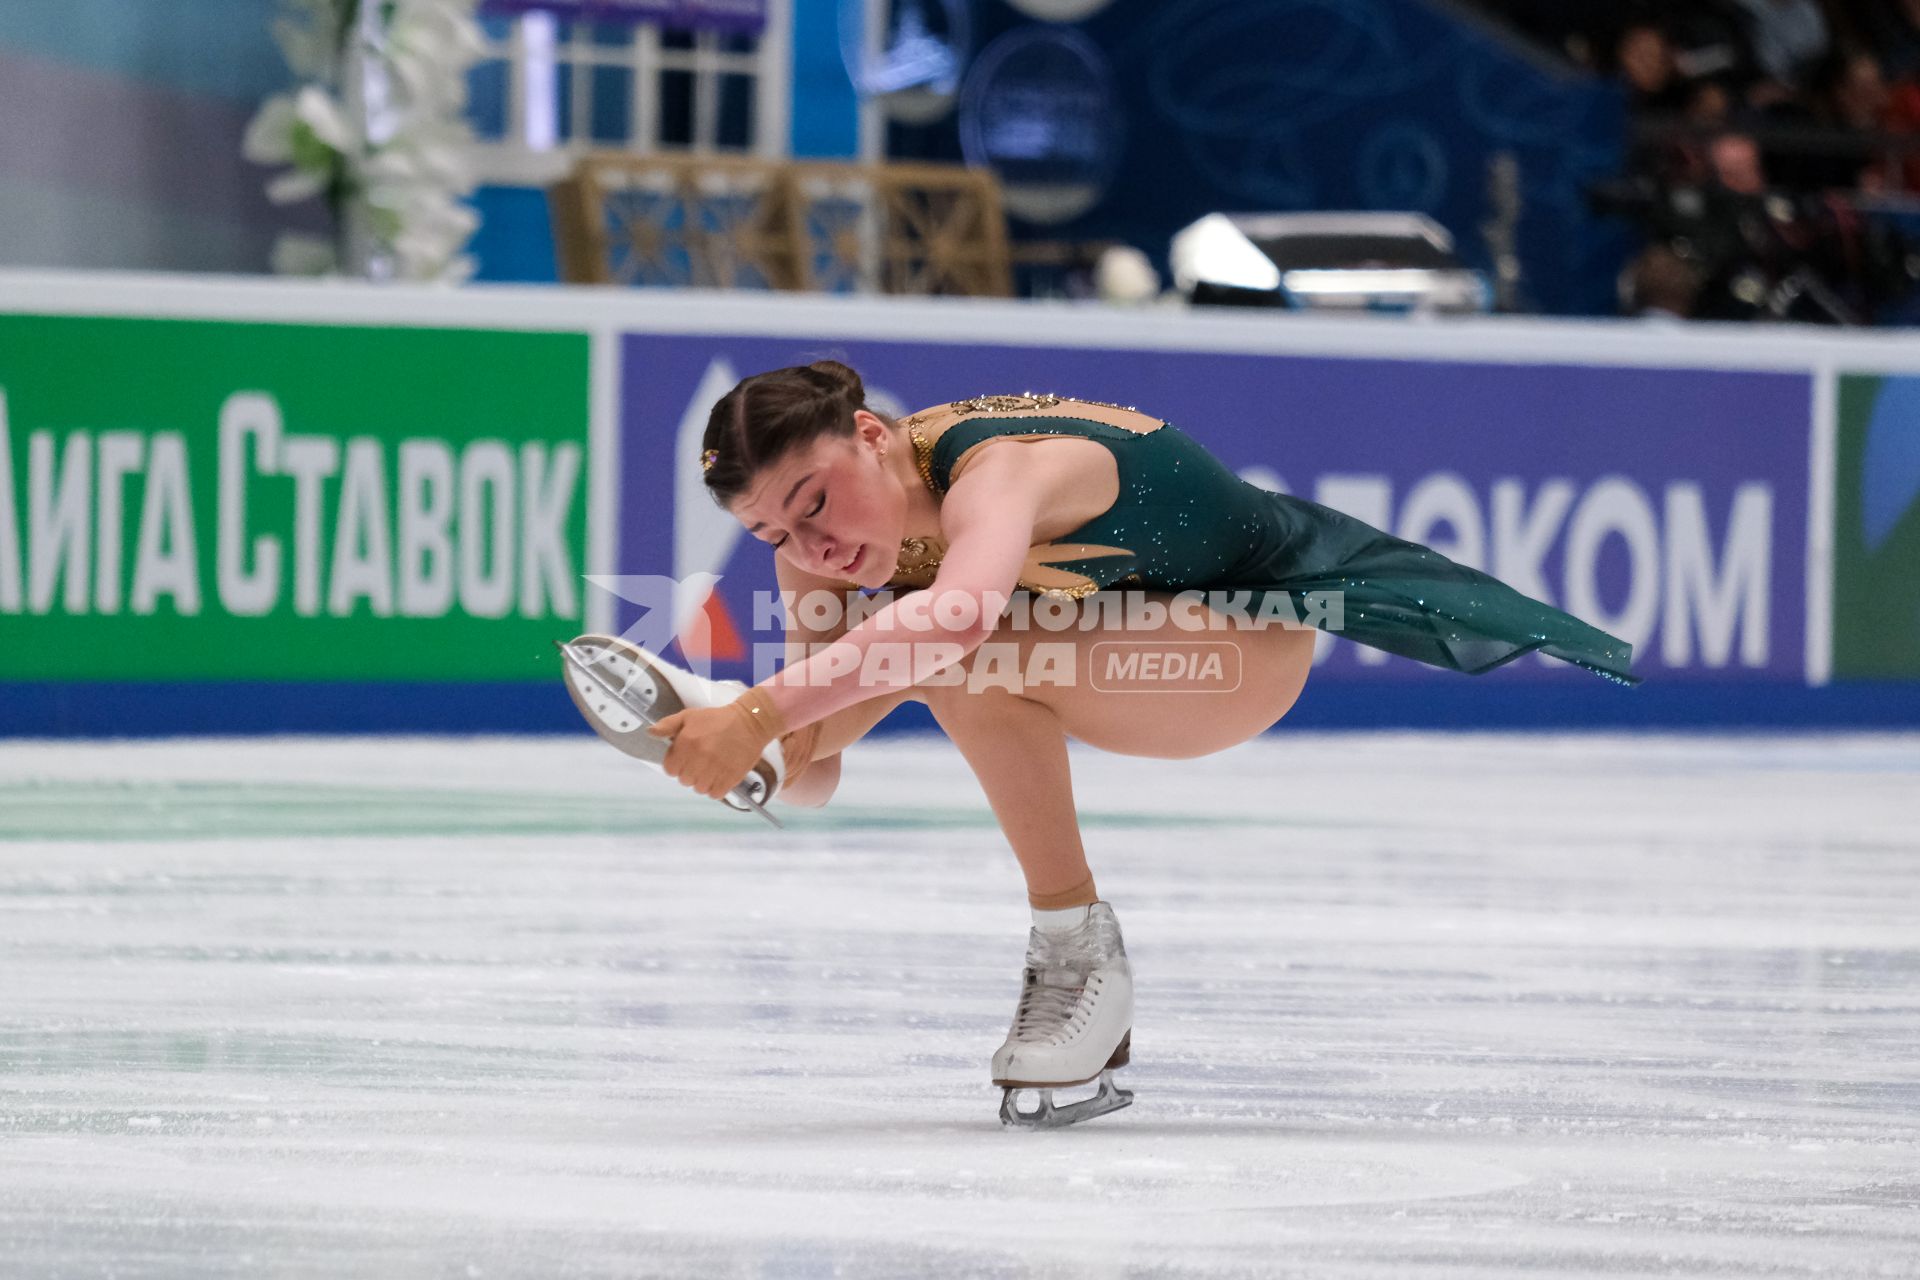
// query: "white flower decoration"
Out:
[377,131]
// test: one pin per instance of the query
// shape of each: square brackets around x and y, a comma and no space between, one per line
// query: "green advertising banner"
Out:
[185,500]
[1876,535]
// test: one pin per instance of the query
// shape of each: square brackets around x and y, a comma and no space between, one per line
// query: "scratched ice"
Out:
[1409,1006]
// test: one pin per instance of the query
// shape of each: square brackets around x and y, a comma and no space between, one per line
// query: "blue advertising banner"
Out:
[1668,506]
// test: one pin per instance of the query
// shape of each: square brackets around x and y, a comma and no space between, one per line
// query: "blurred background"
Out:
[350,351]
[1733,159]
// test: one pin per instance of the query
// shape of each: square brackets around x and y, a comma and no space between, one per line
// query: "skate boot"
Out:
[622,689]
[1074,1023]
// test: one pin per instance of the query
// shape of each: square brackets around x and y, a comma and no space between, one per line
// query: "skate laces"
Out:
[1045,1009]
[1059,966]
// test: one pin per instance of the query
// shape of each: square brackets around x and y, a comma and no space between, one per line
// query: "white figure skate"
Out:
[622,689]
[1074,1023]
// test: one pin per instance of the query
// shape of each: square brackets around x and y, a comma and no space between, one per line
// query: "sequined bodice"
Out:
[1181,519]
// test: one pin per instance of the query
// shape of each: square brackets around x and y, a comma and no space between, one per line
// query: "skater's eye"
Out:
[819,505]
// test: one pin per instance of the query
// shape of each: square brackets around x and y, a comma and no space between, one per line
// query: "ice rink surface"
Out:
[1409,1006]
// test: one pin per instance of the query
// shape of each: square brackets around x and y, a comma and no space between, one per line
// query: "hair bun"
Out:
[845,380]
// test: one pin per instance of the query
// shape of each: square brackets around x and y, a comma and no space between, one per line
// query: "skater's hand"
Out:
[714,747]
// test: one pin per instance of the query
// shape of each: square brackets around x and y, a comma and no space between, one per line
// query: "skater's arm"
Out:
[815,784]
[987,519]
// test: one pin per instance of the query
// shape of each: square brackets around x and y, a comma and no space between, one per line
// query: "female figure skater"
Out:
[961,507]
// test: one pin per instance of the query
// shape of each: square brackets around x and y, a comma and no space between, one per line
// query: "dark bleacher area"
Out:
[1774,162]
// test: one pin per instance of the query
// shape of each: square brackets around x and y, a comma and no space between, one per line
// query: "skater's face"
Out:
[835,507]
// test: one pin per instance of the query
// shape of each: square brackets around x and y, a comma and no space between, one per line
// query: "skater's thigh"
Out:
[1185,684]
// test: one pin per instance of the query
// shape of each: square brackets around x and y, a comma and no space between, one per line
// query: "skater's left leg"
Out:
[813,784]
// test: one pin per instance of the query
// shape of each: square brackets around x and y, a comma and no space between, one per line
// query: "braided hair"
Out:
[770,414]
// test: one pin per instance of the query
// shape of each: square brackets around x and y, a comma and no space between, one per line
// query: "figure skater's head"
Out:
[799,459]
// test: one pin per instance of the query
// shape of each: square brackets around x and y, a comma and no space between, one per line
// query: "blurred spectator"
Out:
[1863,100]
[1852,94]
[1710,107]
[1646,62]
[1662,285]
[1758,127]
[1735,160]
[1891,28]
[1709,102]
[1856,90]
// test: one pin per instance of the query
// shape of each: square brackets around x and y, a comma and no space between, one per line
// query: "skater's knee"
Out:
[814,785]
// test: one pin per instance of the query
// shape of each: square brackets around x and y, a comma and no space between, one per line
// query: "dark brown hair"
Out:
[770,414]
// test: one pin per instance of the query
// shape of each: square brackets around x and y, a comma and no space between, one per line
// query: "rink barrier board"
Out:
[950,336]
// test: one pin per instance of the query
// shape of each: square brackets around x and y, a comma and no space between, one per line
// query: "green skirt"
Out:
[1411,600]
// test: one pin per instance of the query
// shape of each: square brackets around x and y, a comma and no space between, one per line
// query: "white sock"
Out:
[1065,920]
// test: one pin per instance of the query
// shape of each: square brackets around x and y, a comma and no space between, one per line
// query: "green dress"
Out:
[1183,521]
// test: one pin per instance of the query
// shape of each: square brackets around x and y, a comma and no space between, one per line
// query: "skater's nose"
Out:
[825,547]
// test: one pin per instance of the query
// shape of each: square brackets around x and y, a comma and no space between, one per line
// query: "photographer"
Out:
[1760,252]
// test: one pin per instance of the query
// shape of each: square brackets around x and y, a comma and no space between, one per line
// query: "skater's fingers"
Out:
[713,781]
[669,726]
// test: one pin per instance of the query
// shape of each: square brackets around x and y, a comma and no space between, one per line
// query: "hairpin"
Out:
[708,458]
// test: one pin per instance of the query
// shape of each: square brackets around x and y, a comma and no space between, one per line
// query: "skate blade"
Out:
[620,694]
[621,714]
[1050,1116]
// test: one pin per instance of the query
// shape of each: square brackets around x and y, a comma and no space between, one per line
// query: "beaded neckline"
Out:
[918,554]
[922,453]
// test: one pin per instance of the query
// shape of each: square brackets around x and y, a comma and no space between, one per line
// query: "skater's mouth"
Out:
[854,563]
